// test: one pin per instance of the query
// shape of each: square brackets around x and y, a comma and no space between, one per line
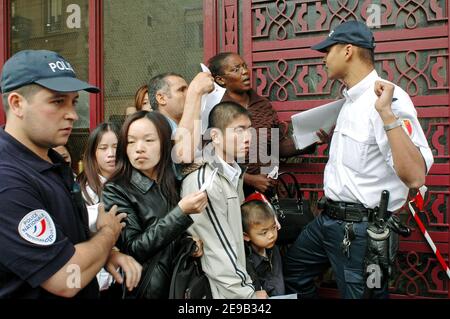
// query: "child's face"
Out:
[264,234]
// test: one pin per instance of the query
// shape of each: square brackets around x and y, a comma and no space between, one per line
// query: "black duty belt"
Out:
[349,212]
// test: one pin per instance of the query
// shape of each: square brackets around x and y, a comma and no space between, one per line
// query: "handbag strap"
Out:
[186,250]
[296,184]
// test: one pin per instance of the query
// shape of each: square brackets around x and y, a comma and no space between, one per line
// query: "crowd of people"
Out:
[140,194]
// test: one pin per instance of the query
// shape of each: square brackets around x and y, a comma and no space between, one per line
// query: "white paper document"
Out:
[210,100]
[307,123]
[209,181]
[290,296]
[274,173]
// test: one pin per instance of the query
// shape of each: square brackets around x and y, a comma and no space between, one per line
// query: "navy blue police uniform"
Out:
[40,221]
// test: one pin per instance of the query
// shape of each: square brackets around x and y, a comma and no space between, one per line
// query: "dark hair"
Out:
[165,175]
[139,97]
[159,83]
[367,55]
[27,91]
[255,212]
[224,113]
[89,175]
[215,64]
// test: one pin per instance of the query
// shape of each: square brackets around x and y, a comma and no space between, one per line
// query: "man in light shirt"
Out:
[378,144]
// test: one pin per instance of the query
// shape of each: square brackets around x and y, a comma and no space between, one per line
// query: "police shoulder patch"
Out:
[407,126]
[37,227]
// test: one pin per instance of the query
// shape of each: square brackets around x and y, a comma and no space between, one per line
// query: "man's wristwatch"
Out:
[393,125]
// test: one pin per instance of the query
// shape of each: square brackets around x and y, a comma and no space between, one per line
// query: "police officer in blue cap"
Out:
[46,251]
[377,144]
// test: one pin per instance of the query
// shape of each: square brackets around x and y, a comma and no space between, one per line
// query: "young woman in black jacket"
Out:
[145,187]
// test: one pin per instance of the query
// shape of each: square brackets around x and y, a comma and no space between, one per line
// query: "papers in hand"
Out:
[209,181]
[274,173]
[289,296]
[205,68]
[210,100]
[307,123]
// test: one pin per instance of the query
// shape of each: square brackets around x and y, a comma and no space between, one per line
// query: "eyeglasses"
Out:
[238,68]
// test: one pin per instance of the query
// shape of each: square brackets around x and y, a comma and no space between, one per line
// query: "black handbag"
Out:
[293,212]
[188,279]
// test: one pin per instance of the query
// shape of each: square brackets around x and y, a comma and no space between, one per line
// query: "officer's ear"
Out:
[16,104]
[348,51]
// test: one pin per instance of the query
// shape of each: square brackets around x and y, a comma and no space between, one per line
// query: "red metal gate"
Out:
[412,50]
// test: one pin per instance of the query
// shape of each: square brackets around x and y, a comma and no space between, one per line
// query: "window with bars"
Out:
[53,16]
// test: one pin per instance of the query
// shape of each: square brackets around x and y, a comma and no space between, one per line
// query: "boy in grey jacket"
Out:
[220,225]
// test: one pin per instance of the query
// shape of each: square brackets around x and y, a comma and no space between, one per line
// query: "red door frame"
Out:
[96,67]
[210,47]
[229,27]
[96,75]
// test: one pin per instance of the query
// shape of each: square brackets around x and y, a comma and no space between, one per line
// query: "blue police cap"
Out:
[350,32]
[42,67]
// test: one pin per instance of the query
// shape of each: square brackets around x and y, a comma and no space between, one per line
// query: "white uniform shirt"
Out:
[360,164]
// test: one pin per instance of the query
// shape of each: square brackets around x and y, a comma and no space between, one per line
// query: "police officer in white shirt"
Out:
[378,144]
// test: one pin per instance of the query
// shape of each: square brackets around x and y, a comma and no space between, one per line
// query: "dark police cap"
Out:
[350,32]
[42,67]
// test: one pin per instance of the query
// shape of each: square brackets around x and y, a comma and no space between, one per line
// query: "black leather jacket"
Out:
[153,231]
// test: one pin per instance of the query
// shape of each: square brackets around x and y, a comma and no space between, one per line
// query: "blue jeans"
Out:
[319,245]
